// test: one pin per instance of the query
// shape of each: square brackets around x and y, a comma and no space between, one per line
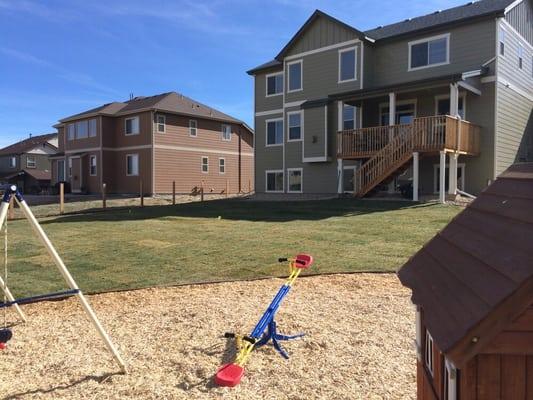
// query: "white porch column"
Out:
[340,174]
[392,121]
[340,115]
[452,174]
[442,178]
[416,172]
[454,99]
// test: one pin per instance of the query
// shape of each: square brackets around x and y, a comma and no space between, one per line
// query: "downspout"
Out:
[152,161]
[240,159]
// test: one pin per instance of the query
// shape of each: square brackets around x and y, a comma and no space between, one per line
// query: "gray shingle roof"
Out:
[265,66]
[28,144]
[471,10]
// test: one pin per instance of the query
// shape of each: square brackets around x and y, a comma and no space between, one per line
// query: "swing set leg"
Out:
[10,297]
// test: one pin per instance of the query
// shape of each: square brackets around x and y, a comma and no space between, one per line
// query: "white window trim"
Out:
[430,39]
[222,132]
[345,168]
[447,96]
[28,162]
[429,354]
[354,49]
[382,106]
[91,158]
[354,116]
[301,62]
[219,165]
[125,124]
[520,53]
[164,123]
[202,164]
[274,171]
[501,28]
[451,373]
[289,170]
[301,125]
[266,132]
[266,84]
[138,162]
[436,175]
[191,128]
[11,163]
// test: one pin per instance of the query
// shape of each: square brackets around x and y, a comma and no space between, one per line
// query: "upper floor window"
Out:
[132,164]
[347,65]
[274,84]
[30,162]
[274,132]
[502,41]
[71,131]
[226,132]
[429,52]
[82,129]
[92,127]
[520,56]
[295,76]
[348,117]
[429,352]
[193,127]
[161,121]
[295,125]
[92,165]
[131,126]
[13,162]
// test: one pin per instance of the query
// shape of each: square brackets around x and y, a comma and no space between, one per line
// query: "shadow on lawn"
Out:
[244,210]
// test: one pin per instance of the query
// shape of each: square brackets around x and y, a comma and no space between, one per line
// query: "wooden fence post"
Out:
[173,193]
[142,194]
[11,214]
[202,191]
[227,188]
[104,196]
[249,186]
[62,198]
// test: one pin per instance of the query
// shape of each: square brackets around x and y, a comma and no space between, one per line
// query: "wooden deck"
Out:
[428,134]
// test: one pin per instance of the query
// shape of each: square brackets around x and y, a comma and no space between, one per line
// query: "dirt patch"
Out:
[155,244]
[358,346]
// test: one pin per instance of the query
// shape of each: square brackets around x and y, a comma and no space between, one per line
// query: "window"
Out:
[222,165]
[348,117]
[92,165]
[429,52]
[205,165]
[132,165]
[226,132]
[429,352]
[70,168]
[405,113]
[443,106]
[160,123]
[82,129]
[132,126]
[347,65]
[92,128]
[13,162]
[274,130]
[502,41]
[295,76]
[274,84]
[295,126]
[61,170]
[295,180]
[520,56]
[71,131]
[30,162]
[193,127]
[274,181]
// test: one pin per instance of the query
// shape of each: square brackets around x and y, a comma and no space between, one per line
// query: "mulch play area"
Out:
[360,330]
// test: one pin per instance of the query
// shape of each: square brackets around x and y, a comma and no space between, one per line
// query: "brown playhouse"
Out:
[472,285]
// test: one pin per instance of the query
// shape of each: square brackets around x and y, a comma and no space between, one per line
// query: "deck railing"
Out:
[434,133]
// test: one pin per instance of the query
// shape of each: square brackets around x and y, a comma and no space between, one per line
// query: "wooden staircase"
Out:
[426,135]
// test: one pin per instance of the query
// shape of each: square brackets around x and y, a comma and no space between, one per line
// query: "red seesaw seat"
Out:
[229,375]
[303,261]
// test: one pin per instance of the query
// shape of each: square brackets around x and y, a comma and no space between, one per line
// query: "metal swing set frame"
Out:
[12,192]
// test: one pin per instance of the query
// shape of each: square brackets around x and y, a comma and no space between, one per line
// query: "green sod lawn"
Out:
[186,243]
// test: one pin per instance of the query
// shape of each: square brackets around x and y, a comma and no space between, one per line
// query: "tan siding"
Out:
[120,139]
[115,176]
[80,144]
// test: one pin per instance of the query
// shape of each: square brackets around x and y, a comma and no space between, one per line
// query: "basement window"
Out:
[274,181]
[429,52]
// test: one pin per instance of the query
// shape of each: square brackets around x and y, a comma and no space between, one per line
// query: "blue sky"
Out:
[60,57]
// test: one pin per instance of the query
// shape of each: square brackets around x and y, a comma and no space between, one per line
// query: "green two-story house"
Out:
[340,110]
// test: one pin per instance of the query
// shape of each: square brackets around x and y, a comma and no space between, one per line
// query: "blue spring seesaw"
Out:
[266,329]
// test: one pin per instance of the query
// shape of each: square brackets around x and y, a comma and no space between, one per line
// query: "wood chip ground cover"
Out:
[358,346]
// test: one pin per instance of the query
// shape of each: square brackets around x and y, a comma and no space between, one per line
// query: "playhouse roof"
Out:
[476,276]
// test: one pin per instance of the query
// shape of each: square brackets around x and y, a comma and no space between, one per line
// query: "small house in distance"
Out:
[472,285]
